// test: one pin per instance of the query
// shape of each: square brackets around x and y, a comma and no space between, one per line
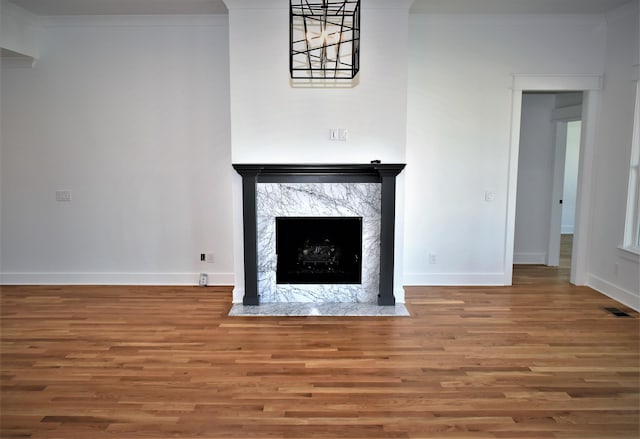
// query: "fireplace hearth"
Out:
[318,267]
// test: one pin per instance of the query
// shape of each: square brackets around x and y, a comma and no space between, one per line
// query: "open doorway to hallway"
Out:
[547,187]
[589,85]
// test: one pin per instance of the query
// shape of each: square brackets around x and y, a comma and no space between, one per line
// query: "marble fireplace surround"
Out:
[319,190]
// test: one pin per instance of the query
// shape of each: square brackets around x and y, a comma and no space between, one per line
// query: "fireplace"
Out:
[345,199]
[319,250]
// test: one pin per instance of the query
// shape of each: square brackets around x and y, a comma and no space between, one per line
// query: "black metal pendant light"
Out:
[324,39]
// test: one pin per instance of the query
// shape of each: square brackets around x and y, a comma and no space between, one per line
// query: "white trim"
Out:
[280,4]
[135,21]
[530,258]
[387,4]
[238,237]
[399,239]
[453,279]
[557,192]
[557,82]
[35,278]
[616,293]
[20,30]
[255,4]
[631,254]
[567,229]
[622,12]
[632,216]
[18,62]
[493,19]
[237,295]
[512,186]
[584,207]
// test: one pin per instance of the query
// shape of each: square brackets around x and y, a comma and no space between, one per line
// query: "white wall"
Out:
[460,79]
[611,270]
[131,115]
[535,179]
[275,121]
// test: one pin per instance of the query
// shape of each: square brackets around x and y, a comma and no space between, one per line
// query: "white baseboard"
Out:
[238,294]
[529,258]
[566,230]
[453,279]
[616,293]
[217,279]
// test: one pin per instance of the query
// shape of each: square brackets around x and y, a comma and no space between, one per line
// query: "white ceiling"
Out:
[152,7]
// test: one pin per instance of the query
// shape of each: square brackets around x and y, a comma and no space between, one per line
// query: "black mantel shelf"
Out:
[384,173]
[318,168]
[308,173]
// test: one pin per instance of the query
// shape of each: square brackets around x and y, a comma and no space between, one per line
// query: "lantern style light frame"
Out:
[324,39]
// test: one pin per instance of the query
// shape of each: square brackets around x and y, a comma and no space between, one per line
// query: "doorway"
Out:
[547,179]
[590,85]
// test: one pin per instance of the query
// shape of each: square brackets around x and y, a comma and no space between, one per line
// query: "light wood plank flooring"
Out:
[541,274]
[528,361]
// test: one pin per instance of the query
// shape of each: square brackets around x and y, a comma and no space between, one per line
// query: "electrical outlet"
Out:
[202,257]
[204,279]
[433,258]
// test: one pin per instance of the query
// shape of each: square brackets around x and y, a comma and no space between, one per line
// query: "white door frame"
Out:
[591,86]
[561,118]
[555,217]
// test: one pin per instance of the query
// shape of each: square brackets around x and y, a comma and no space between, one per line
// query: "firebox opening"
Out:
[319,250]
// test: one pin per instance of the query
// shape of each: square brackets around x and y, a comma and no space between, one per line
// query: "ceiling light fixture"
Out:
[324,39]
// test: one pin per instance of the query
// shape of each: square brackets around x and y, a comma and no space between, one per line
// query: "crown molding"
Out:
[624,11]
[387,4]
[134,20]
[283,4]
[21,62]
[255,4]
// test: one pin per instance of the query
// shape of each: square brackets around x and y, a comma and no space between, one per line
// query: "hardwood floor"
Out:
[541,274]
[542,361]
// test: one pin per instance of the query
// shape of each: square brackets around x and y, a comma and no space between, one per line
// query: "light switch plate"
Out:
[63,195]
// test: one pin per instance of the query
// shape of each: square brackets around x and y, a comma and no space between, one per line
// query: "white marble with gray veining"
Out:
[324,200]
[319,309]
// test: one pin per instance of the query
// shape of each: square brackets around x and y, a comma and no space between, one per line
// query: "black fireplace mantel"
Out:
[383,173]
[322,173]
